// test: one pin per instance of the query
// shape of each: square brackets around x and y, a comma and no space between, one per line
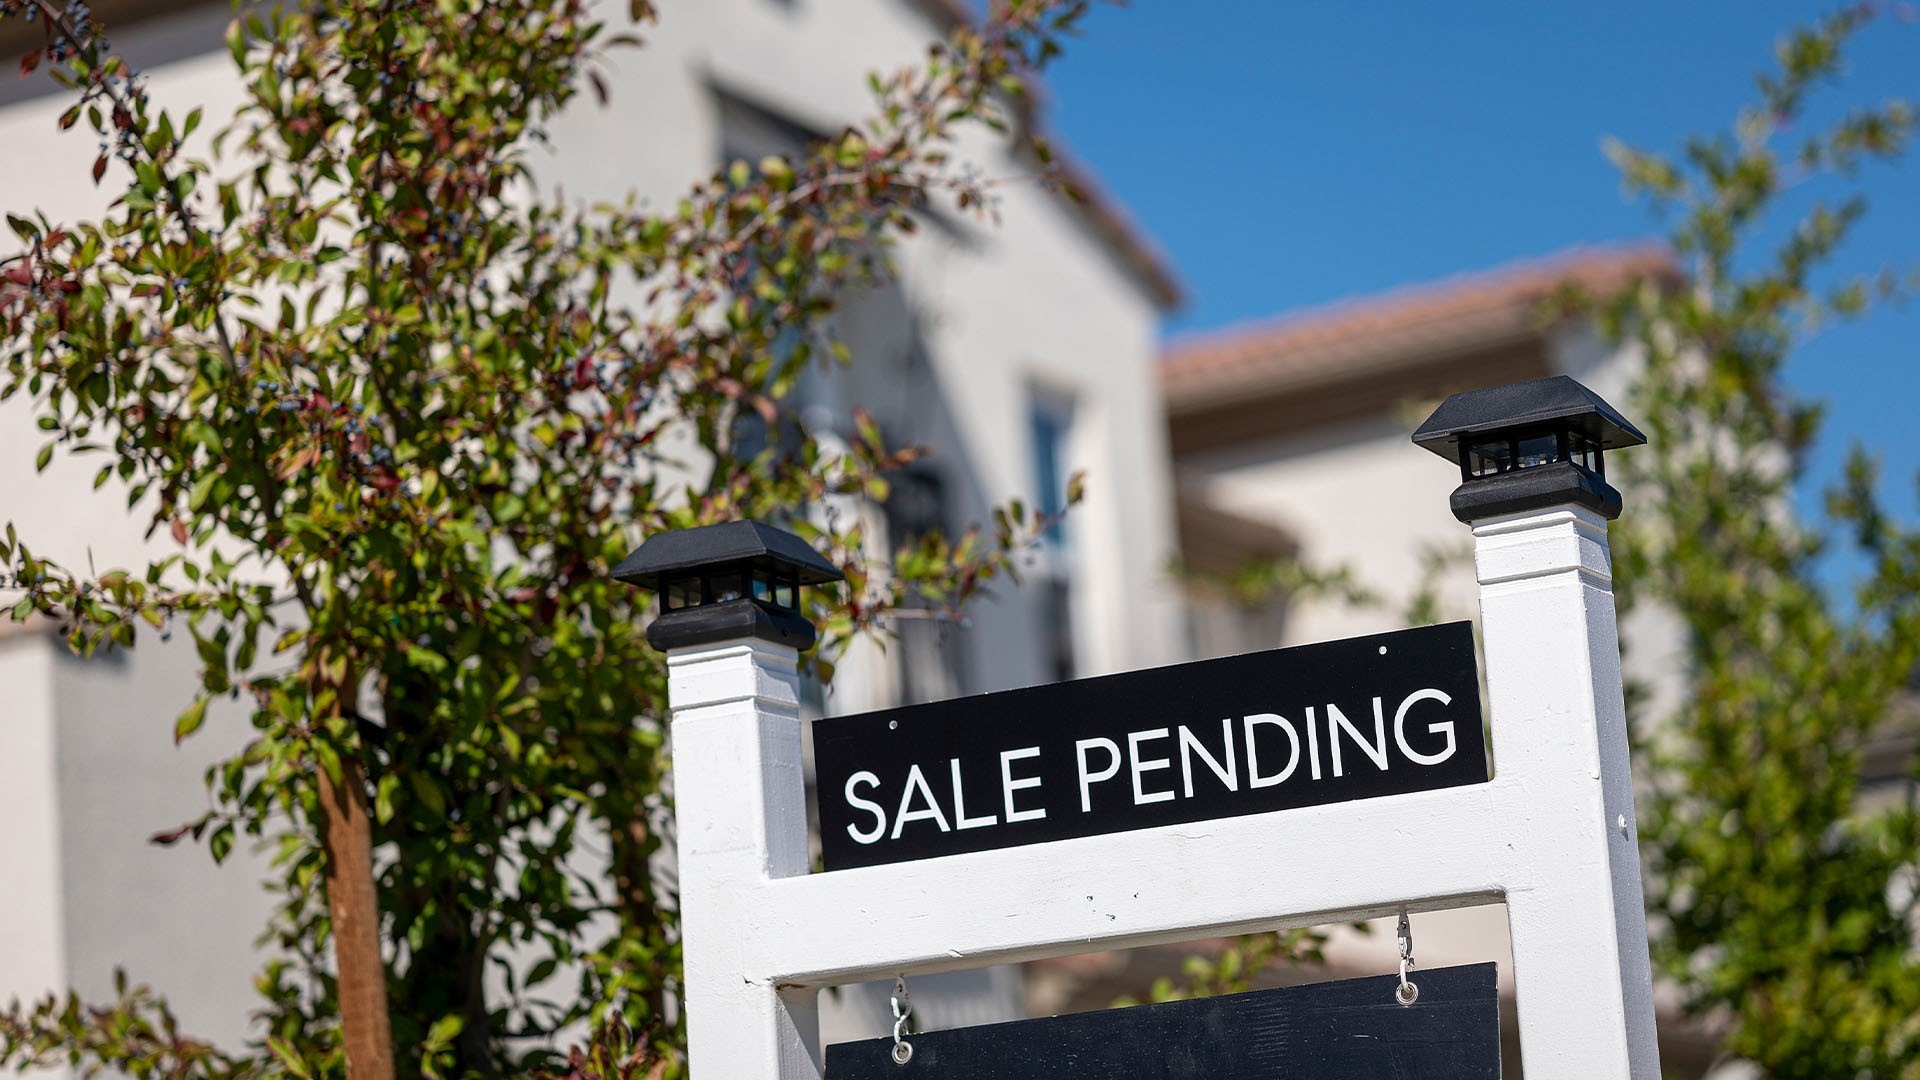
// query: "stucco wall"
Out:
[166,915]
[33,920]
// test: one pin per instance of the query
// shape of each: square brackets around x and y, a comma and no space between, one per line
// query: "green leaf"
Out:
[444,1030]
[383,794]
[220,842]
[190,720]
[428,792]
[328,757]
[426,659]
[202,490]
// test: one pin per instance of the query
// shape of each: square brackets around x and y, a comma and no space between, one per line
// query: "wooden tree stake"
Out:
[348,837]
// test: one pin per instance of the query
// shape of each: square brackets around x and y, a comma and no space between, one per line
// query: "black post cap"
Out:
[736,579]
[1529,445]
[725,544]
[1556,399]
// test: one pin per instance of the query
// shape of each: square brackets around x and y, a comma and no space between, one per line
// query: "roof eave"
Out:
[1400,330]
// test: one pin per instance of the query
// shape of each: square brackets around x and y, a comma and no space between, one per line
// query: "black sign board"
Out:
[1342,720]
[1324,1031]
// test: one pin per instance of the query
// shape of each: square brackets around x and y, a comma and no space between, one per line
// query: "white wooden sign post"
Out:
[1550,835]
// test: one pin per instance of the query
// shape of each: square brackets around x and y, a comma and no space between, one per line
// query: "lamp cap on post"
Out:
[736,579]
[1529,445]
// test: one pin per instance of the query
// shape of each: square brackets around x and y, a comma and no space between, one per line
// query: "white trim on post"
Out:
[741,813]
[1574,905]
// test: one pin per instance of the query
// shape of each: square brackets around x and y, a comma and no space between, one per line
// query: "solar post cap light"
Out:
[731,580]
[1527,445]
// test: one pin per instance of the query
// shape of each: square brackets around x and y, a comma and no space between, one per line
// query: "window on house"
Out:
[750,131]
[1050,421]
[1050,429]
[931,656]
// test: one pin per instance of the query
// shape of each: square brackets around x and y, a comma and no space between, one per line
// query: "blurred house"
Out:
[1301,424]
[1018,354]
[1290,440]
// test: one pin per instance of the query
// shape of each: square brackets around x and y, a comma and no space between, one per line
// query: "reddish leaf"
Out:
[298,461]
[180,530]
[29,62]
[169,837]
[99,168]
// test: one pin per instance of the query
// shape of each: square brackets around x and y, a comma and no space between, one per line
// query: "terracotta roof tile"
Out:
[1306,347]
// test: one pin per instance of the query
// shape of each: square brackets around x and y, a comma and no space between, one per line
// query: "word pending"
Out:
[1248,734]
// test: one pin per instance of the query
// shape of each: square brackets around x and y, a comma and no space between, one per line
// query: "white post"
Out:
[731,626]
[1533,487]
[1574,899]
[741,809]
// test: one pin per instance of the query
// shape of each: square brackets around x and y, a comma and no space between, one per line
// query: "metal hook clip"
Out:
[902,1009]
[1407,992]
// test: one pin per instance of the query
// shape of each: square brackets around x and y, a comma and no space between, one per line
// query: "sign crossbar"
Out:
[1336,863]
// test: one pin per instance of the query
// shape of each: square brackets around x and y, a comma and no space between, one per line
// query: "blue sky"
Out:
[1288,154]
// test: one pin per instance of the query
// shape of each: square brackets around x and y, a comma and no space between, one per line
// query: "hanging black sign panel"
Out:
[1341,720]
[1326,1031]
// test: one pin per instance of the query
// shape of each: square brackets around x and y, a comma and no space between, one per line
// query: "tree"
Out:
[394,414]
[1783,894]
